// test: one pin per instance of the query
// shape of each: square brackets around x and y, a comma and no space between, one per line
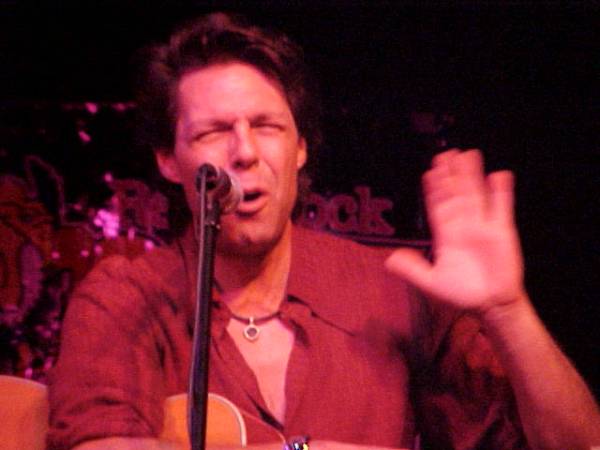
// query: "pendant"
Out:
[251,331]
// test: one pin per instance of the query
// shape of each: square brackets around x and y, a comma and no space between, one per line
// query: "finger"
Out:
[411,265]
[437,192]
[467,163]
[444,158]
[501,186]
[468,168]
[454,188]
[438,184]
[438,181]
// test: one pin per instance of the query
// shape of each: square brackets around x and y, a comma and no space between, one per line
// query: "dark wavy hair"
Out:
[215,39]
[221,38]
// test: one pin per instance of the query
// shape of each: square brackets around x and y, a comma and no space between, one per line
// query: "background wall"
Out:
[518,81]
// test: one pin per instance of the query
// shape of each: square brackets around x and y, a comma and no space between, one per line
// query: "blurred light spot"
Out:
[84,137]
[92,108]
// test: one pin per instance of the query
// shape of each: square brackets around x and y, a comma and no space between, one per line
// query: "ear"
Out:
[165,159]
[302,154]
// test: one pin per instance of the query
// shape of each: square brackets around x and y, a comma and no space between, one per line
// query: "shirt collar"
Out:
[314,278]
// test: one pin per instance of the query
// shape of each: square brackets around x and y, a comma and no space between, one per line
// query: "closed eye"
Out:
[268,126]
[210,134]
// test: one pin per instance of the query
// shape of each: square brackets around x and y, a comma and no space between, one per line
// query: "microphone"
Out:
[222,186]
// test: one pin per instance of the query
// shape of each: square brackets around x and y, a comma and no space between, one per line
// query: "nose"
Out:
[244,151]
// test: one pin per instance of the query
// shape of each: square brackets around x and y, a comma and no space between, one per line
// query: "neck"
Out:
[254,285]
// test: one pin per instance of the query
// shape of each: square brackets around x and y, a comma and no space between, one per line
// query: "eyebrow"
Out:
[209,123]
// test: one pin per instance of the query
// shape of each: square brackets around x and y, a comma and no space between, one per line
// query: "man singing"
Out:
[320,342]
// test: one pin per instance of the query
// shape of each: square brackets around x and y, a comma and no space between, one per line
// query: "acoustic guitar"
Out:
[24,418]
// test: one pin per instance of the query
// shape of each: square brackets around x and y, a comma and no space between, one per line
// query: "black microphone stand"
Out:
[207,227]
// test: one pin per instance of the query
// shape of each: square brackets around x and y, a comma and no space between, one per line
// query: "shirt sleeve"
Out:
[462,397]
[107,381]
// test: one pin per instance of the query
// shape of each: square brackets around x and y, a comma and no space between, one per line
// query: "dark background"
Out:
[519,78]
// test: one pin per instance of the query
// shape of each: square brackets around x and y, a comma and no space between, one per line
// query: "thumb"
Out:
[411,265]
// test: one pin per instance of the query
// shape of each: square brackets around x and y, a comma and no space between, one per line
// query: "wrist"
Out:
[508,312]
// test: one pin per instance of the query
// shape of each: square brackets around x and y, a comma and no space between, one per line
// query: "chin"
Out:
[248,241]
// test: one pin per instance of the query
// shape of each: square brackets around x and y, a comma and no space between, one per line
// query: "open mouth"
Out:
[251,196]
[253,201]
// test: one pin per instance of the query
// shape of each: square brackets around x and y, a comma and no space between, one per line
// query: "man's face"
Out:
[232,116]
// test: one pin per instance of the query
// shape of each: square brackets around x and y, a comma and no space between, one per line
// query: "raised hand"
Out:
[477,262]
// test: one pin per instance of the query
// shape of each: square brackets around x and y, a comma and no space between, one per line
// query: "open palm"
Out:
[477,260]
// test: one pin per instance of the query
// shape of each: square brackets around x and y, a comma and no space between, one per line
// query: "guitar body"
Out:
[23,414]
[24,418]
[224,423]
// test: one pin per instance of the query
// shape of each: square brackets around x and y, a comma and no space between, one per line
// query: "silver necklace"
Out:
[251,330]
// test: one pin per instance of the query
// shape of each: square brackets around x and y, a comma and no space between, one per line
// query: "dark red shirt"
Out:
[372,363]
